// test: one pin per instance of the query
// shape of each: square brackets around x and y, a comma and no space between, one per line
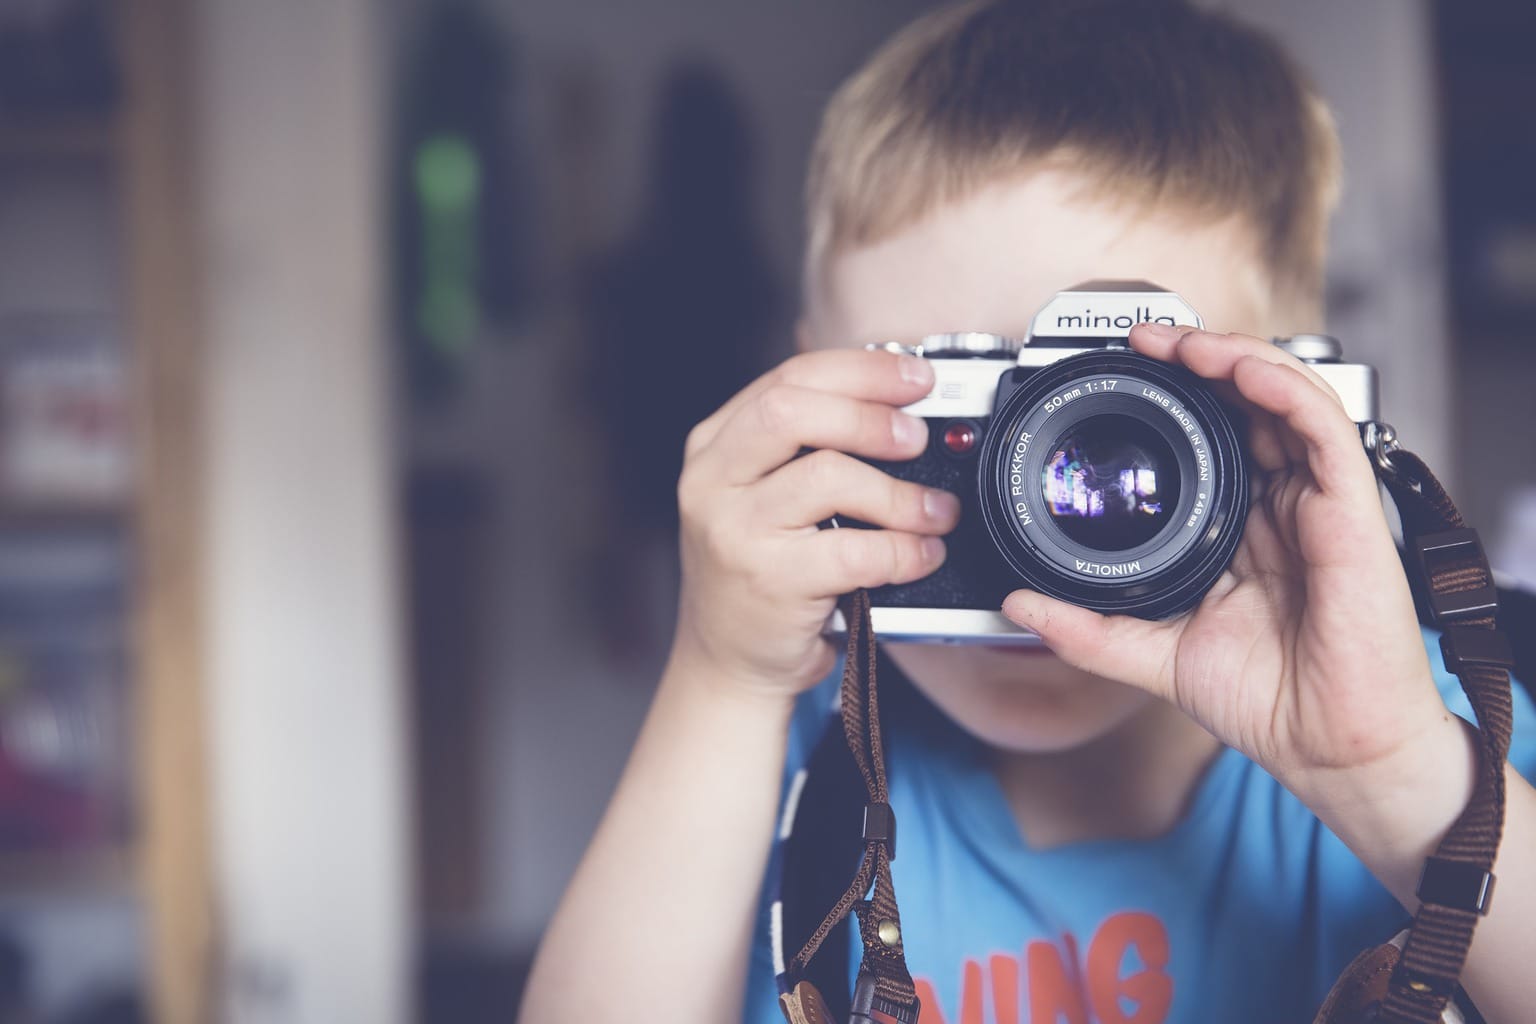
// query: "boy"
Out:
[1126,829]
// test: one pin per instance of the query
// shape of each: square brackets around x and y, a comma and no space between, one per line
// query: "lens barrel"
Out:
[1113,481]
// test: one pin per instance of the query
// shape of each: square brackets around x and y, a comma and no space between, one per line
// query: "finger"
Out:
[833,562]
[1119,647]
[1332,442]
[1212,355]
[827,483]
[876,376]
[1160,341]
[1268,441]
[771,429]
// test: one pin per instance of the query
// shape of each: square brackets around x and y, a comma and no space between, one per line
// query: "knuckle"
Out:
[905,561]
[1328,389]
[720,543]
[794,370]
[761,572]
[877,422]
[696,439]
[778,408]
[872,427]
[823,470]
[858,557]
[906,501]
[690,490]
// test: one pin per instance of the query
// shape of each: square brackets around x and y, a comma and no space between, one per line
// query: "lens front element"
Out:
[1112,484]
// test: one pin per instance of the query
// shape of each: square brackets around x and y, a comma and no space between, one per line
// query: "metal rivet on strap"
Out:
[890,932]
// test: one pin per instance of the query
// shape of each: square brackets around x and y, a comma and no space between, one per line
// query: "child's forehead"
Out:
[988,262]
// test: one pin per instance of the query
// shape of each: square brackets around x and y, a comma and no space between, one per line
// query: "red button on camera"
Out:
[960,438]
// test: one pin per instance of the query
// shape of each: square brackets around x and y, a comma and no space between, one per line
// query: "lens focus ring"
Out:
[1116,482]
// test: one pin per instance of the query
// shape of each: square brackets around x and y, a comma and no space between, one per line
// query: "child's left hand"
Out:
[1306,655]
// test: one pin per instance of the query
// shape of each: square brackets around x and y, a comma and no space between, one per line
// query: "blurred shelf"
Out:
[64,134]
[104,871]
[63,515]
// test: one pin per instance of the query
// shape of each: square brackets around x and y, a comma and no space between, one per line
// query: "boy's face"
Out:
[988,263]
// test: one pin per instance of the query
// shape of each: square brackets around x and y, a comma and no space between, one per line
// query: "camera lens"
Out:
[1111,484]
[1113,481]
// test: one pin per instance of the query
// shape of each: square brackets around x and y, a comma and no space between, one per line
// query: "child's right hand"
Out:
[759,577]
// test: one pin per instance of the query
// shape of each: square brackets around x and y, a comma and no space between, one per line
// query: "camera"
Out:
[1084,470]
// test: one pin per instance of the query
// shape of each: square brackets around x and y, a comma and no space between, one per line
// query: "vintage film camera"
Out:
[1084,470]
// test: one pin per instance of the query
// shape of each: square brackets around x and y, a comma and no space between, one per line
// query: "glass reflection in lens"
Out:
[1112,484]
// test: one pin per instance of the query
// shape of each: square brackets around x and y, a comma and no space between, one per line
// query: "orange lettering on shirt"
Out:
[929,1011]
[1052,995]
[1150,988]
[970,994]
[1005,989]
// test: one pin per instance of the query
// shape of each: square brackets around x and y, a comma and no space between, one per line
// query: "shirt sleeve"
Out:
[812,713]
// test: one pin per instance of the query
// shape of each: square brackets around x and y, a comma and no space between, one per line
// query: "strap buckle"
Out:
[1456,885]
[1462,647]
[1436,552]
[880,826]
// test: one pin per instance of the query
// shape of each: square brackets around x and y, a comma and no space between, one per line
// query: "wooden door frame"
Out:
[165,352]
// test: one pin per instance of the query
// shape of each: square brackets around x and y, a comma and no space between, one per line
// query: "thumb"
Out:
[1119,647]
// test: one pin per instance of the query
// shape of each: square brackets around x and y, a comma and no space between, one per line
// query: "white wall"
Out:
[305,731]
[1374,61]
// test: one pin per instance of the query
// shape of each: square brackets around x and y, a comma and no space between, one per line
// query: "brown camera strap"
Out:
[1454,581]
[879,920]
[1458,588]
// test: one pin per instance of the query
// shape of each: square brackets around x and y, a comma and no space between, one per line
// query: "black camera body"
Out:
[1084,470]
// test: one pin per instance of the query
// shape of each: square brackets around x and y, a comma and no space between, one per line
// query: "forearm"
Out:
[660,910]
[1397,819]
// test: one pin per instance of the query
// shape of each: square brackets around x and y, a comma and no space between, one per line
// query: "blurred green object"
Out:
[463,207]
[448,193]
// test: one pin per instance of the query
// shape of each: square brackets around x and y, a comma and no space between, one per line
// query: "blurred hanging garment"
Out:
[681,314]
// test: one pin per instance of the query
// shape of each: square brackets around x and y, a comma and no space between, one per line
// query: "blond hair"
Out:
[1151,100]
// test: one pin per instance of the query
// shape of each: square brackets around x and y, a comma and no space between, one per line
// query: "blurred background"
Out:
[346,350]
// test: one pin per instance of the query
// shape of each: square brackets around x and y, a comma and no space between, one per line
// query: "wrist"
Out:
[782,661]
[698,676]
[1394,812]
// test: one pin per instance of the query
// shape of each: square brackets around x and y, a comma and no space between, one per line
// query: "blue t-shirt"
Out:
[1247,910]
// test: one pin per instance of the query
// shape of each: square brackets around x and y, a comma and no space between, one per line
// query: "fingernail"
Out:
[940,506]
[1016,605]
[1159,332]
[933,550]
[909,430]
[914,370]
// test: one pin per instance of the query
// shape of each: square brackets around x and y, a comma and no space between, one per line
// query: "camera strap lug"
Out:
[1380,440]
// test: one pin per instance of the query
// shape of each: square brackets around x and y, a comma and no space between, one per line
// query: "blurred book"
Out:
[63,414]
[64,760]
